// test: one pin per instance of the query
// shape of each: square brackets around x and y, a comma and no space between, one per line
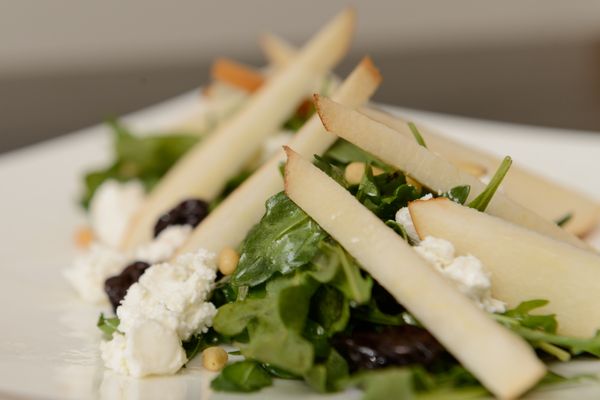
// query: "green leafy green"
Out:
[145,158]
[564,219]
[481,202]
[329,375]
[335,172]
[540,331]
[331,309]
[343,152]
[108,325]
[389,383]
[243,376]
[335,266]
[386,193]
[417,134]
[399,229]
[284,240]
[274,323]
[200,341]
[458,194]
[372,313]
[453,382]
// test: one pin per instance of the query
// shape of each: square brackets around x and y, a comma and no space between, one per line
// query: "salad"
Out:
[283,234]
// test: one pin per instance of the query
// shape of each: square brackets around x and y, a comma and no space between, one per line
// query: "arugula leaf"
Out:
[331,309]
[373,314]
[334,172]
[329,375]
[344,152]
[145,158]
[284,240]
[242,376]
[458,194]
[564,219]
[274,323]
[417,383]
[335,266]
[540,331]
[481,202]
[546,323]
[385,194]
[200,341]
[398,228]
[417,134]
[108,325]
[388,383]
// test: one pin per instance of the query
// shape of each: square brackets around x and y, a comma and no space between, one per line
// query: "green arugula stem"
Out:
[417,134]
[483,200]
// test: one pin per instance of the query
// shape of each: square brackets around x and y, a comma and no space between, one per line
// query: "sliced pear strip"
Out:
[277,51]
[203,171]
[502,361]
[524,264]
[550,200]
[426,167]
[229,223]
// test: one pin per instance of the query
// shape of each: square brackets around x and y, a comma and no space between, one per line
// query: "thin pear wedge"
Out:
[524,264]
[425,166]
[204,170]
[502,361]
[277,51]
[550,200]
[229,223]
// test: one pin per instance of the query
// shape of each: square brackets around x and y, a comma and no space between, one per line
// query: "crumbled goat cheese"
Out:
[467,273]
[148,348]
[403,218]
[112,207]
[173,294]
[166,306]
[88,273]
[164,245]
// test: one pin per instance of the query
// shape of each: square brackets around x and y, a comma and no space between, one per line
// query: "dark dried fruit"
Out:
[188,212]
[116,287]
[388,346]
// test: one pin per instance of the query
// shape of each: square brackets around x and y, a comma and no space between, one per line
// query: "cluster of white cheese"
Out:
[111,209]
[167,306]
[467,273]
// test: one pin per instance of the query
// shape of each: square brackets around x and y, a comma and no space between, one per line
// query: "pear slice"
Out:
[204,170]
[277,50]
[550,200]
[524,264]
[426,167]
[502,361]
[229,223]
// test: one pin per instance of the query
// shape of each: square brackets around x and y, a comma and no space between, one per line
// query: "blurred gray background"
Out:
[67,64]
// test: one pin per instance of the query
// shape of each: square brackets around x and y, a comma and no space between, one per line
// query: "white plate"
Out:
[48,338]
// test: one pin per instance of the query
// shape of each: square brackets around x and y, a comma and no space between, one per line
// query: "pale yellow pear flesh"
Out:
[502,361]
[204,170]
[524,264]
[550,200]
[425,166]
[228,224]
